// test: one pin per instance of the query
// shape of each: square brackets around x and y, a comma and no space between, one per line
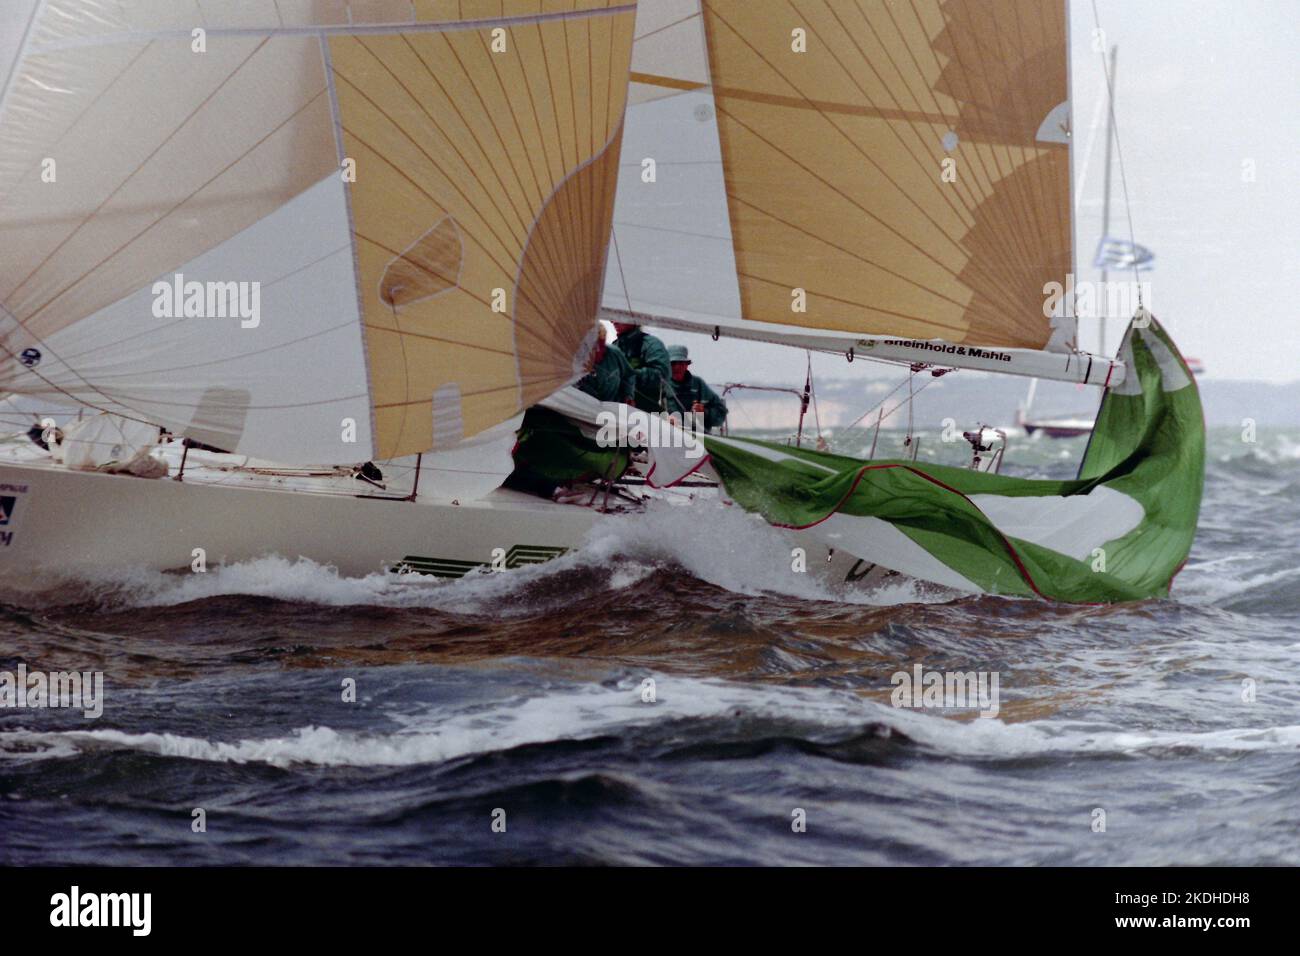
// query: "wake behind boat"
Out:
[324,250]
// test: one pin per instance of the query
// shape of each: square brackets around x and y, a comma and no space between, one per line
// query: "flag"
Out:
[1122,254]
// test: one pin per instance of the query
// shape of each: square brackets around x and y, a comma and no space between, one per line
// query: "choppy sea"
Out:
[671,694]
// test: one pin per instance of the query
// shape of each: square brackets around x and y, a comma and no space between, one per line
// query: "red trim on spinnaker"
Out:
[1015,556]
[676,481]
[1177,571]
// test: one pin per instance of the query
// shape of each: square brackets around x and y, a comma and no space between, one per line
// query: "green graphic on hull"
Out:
[517,556]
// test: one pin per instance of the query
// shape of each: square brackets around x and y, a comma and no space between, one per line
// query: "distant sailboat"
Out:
[1061,426]
[338,248]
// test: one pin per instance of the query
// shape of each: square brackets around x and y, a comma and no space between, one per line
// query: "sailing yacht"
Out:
[301,265]
[1058,426]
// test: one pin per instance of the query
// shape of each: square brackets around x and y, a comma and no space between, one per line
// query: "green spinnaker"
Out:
[1148,445]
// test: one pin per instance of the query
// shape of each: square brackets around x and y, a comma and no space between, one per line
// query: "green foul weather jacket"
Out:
[612,380]
[692,389]
[650,368]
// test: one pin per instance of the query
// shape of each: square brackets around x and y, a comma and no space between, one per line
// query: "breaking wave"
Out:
[720,545]
[718,708]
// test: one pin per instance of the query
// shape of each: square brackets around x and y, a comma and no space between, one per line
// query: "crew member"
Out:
[650,367]
[552,453]
[611,378]
[692,394]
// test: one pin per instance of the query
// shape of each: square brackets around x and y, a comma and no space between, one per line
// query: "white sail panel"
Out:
[138,191]
[673,253]
[239,388]
[668,53]
[15,18]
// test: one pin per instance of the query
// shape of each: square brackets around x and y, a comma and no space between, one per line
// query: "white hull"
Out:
[70,524]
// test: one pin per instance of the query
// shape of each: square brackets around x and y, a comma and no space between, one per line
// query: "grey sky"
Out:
[1202,87]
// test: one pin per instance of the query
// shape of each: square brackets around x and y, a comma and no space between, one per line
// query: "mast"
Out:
[1071,302]
[1105,209]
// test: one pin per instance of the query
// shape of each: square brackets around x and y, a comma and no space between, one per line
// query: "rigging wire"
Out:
[622,277]
[911,396]
[1119,153]
[890,394]
[817,415]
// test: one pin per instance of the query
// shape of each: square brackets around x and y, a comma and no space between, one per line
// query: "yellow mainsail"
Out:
[890,167]
[420,191]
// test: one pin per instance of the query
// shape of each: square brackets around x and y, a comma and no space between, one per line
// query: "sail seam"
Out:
[21,54]
[614,137]
[378,29]
[155,330]
[50,382]
[724,151]
[666,26]
[341,156]
[77,120]
[970,201]
[793,160]
[33,313]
